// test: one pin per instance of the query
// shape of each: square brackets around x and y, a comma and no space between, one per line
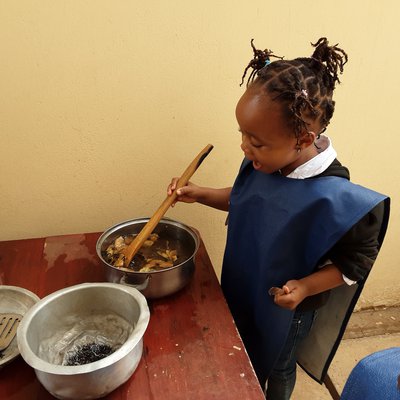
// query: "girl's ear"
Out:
[306,139]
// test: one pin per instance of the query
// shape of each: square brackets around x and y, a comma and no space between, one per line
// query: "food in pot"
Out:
[155,254]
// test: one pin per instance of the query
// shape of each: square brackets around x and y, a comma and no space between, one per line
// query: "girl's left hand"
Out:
[291,294]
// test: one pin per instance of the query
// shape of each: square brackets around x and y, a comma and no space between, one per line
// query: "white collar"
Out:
[319,163]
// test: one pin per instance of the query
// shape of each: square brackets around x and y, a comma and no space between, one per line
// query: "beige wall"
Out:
[103,101]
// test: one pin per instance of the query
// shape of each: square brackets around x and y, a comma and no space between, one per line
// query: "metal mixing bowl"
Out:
[52,315]
[159,283]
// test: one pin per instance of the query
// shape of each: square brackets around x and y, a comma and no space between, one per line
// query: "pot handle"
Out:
[140,286]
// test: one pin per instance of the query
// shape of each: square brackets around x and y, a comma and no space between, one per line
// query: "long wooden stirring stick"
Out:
[130,251]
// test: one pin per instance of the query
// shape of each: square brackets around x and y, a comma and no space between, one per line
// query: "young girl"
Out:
[301,237]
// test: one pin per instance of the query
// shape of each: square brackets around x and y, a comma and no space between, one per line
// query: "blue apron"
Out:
[279,228]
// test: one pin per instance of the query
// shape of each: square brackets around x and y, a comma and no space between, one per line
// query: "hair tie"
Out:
[304,93]
[267,62]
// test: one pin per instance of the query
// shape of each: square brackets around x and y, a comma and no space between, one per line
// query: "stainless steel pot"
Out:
[154,284]
[55,313]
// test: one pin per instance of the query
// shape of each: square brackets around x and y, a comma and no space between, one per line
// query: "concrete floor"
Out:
[367,332]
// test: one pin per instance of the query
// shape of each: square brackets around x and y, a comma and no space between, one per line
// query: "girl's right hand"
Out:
[186,194]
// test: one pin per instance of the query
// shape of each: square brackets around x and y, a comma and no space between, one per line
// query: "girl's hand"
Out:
[291,294]
[295,291]
[216,198]
[186,194]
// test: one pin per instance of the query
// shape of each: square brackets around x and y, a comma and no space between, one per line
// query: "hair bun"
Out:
[333,58]
[260,60]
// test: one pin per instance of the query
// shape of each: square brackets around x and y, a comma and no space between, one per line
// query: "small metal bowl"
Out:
[14,300]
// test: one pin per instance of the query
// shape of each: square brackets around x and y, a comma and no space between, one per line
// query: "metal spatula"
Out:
[8,328]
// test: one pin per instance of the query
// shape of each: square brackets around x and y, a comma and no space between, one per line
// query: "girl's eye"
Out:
[250,137]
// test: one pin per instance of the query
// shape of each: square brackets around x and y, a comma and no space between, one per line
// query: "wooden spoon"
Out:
[138,241]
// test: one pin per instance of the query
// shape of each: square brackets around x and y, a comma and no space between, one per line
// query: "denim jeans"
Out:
[282,379]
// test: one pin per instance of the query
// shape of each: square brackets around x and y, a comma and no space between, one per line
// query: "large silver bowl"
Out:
[54,313]
[160,283]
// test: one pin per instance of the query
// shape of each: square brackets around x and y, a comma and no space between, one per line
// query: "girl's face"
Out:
[267,140]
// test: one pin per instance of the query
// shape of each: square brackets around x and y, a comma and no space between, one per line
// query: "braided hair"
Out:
[304,86]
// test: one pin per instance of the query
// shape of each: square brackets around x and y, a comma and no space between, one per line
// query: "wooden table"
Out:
[191,347]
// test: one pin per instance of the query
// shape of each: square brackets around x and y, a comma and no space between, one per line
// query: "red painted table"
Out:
[191,347]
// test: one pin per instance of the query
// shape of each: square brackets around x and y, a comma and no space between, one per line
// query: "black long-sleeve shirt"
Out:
[355,253]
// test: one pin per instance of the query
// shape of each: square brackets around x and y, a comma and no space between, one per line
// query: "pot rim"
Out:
[113,228]
[43,366]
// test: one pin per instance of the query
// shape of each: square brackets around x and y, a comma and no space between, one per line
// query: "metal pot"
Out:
[55,313]
[160,283]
